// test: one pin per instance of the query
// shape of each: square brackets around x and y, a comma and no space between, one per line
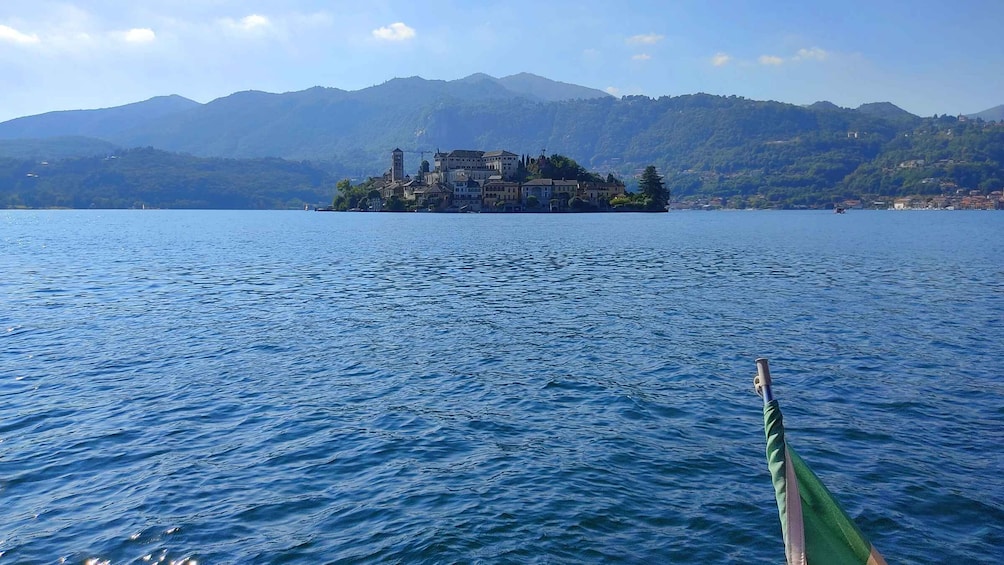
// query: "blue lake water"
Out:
[266,387]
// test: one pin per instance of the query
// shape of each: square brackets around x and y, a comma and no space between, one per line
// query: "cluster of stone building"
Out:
[485,181]
[961,200]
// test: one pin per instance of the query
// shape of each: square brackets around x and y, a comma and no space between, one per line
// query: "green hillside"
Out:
[157,179]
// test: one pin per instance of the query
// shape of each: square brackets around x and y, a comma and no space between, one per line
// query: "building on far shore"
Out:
[476,181]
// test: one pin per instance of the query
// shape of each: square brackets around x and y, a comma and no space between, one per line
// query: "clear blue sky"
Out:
[924,56]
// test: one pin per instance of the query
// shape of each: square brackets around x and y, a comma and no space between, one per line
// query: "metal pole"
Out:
[762,381]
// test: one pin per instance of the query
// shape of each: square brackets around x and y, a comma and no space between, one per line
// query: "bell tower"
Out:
[396,165]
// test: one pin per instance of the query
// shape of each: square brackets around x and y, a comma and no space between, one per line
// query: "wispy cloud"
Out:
[290,28]
[810,54]
[613,90]
[721,59]
[11,35]
[814,53]
[137,35]
[645,39]
[641,57]
[394,32]
[247,23]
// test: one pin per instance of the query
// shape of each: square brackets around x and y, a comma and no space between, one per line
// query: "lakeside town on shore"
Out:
[961,200]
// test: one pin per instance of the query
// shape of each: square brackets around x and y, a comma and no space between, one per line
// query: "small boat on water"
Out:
[839,210]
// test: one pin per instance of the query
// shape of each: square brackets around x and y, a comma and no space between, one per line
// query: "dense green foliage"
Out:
[351,197]
[653,190]
[559,167]
[156,179]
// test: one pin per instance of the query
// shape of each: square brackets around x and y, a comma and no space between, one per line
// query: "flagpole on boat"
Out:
[762,381]
[814,527]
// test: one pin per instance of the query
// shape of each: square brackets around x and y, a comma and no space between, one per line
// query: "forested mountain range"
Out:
[702,144]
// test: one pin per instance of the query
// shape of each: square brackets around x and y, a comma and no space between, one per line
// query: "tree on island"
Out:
[652,188]
[559,167]
[343,187]
[396,204]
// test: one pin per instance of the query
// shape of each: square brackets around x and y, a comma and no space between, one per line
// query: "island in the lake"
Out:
[466,180]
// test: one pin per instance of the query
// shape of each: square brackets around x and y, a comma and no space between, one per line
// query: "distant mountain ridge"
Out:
[702,143]
[105,123]
[100,123]
[539,88]
[353,129]
[886,110]
[317,123]
[995,114]
[824,105]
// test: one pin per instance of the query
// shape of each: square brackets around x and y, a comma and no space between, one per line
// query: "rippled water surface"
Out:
[238,387]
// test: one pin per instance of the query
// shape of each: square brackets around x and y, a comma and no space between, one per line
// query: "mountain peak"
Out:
[824,105]
[886,110]
[477,77]
[995,114]
[526,75]
[541,88]
[69,123]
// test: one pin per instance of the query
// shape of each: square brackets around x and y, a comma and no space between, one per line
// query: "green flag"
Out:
[816,530]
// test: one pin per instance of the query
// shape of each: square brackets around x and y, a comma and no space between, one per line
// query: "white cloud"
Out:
[394,32]
[814,53]
[721,59]
[11,35]
[613,90]
[645,39]
[252,22]
[290,29]
[137,35]
[641,57]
